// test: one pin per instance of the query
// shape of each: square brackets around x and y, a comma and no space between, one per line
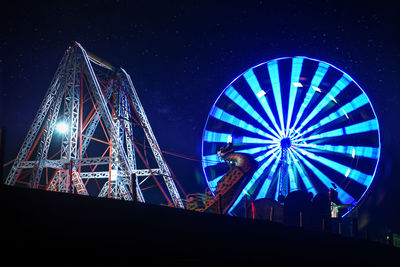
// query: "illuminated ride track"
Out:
[307,124]
[84,139]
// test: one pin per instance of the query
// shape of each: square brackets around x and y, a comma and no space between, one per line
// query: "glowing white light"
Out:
[347,116]
[229,139]
[354,153]
[261,93]
[297,84]
[62,127]
[347,173]
[316,89]
[334,100]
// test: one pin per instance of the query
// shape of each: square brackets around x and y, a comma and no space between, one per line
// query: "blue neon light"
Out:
[255,177]
[213,184]
[264,188]
[241,102]
[304,177]
[297,64]
[343,196]
[354,151]
[228,118]
[356,175]
[362,127]
[355,104]
[255,87]
[276,87]
[336,89]
[315,82]
[346,131]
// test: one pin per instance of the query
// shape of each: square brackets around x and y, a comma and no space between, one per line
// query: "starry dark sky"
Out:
[181,54]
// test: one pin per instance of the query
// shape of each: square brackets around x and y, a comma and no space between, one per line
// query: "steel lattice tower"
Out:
[86,94]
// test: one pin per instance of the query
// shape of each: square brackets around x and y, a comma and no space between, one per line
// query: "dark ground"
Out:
[59,229]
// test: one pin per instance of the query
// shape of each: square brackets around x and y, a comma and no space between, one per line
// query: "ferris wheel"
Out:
[308,124]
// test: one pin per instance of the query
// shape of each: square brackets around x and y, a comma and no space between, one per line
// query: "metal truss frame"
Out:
[114,101]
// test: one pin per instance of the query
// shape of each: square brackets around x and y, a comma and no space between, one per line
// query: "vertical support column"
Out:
[45,141]
[69,146]
[173,191]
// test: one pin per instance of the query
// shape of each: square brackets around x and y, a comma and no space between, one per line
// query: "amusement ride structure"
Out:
[84,137]
[308,124]
[285,125]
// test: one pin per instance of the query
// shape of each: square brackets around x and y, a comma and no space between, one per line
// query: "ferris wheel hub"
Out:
[286,143]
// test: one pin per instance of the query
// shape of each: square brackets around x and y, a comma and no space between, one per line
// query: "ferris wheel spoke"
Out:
[229,118]
[210,160]
[215,137]
[267,154]
[362,127]
[355,104]
[297,64]
[353,151]
[213,183]
[315,82]
[257,149]
[348,172]
[254,178]
[260,94]
[343,196]
[304,177]
[242,103]
[267,183]
[293,185]
[273,71]
[342,83]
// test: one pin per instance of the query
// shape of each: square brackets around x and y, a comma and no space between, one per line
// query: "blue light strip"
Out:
[356,175]
[315,82]
[343,196]
[255,177]
[224,116]
[267,183]
[355,104]
[265,155]
[251,140]
[362,127]
[354,151]
[255,150]
[210,136]
[276,87]
[241,102]
[255,87]
[213,184]
[307,183]
[336,89]
[297,64]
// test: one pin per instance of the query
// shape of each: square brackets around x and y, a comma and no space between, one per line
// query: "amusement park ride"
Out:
[289,124]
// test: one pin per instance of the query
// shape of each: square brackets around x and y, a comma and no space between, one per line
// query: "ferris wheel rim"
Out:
[367,190]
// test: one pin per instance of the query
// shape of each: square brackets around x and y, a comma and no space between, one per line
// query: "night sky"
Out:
[181,55]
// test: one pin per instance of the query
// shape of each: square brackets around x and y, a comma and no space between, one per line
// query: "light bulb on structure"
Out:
[62,127]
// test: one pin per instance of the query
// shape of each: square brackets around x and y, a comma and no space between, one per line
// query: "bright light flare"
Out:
[62,127]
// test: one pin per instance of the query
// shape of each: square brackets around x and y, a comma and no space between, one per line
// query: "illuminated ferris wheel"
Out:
[308,124]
